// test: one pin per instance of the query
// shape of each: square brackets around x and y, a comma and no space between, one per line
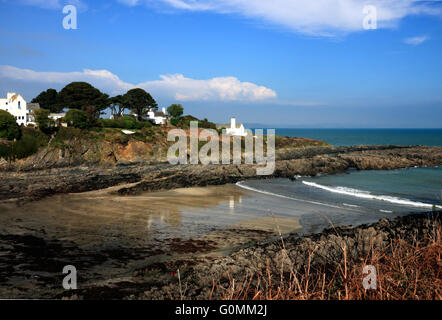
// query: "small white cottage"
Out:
[233,128]
[157,117]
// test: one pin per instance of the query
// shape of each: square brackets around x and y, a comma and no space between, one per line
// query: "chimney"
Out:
[232,123]
[164,110]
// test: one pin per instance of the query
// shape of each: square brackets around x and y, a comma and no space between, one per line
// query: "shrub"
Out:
[206,124]
[127,122]
[5,150]
[108,123]
[29,144]
[43,121]
[77,118]
[9,128]
[175,121]
[147,132]
[138,125]
[40,137]
[26,146]
[67,133]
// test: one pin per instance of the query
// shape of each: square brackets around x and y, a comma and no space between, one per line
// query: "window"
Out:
[19,106]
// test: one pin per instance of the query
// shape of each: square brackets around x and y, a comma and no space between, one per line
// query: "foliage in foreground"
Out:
[405,271]
[9,128]
[31,140]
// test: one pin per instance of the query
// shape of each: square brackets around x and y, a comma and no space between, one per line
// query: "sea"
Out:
[384,193]
[352,137]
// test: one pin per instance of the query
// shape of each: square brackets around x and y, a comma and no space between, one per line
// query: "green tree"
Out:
[48,100]
[139,101]
[43,121]
[77,118]
[83,96]
[175,110]
[9,128]
[117,105]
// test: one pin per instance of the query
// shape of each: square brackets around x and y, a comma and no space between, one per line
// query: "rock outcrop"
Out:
[307,162]
[34,184]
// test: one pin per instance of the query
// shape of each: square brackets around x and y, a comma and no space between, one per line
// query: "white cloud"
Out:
[415,41]
[221,88]
[318,17]
[176,86]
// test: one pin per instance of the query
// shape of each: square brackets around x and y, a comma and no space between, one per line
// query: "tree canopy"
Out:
[48,100]
[83,96]
[118,104]
[77,118]
[139,101]
[9,128]
[175,110]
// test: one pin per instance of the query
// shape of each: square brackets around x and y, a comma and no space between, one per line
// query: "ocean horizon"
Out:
[391,193]
[349,137]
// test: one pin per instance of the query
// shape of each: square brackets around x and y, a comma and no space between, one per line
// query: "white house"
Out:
[153,116]
[157,117]
[16,105]
[56,116]
[233,129]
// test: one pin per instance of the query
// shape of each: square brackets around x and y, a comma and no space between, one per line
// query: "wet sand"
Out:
[110,238]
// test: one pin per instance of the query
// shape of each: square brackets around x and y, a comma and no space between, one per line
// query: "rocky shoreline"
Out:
[27,185]
[31,259]
[323,250]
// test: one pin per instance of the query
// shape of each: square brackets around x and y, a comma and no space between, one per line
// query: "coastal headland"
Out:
[36,178]
[105,213]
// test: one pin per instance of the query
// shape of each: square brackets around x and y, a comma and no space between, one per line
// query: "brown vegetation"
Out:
[406,270]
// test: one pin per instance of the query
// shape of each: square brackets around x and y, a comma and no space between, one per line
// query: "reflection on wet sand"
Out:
[108,236]
[101,218]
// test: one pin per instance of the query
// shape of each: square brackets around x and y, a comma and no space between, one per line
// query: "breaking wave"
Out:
[240,184]
[367,195]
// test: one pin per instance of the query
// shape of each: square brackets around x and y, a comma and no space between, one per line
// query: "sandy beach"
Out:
[107,236]
[111,238]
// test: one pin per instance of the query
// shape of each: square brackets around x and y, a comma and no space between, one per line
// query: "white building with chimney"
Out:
[233,129]
[16,105]
[157,117]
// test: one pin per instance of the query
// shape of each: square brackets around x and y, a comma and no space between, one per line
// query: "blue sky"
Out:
[281,63]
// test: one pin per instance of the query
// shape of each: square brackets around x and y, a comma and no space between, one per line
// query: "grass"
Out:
[405,271]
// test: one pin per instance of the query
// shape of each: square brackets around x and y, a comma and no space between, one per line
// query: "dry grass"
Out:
[405,270]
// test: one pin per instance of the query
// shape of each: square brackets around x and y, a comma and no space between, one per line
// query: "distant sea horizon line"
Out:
[267,126]
[367,136]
